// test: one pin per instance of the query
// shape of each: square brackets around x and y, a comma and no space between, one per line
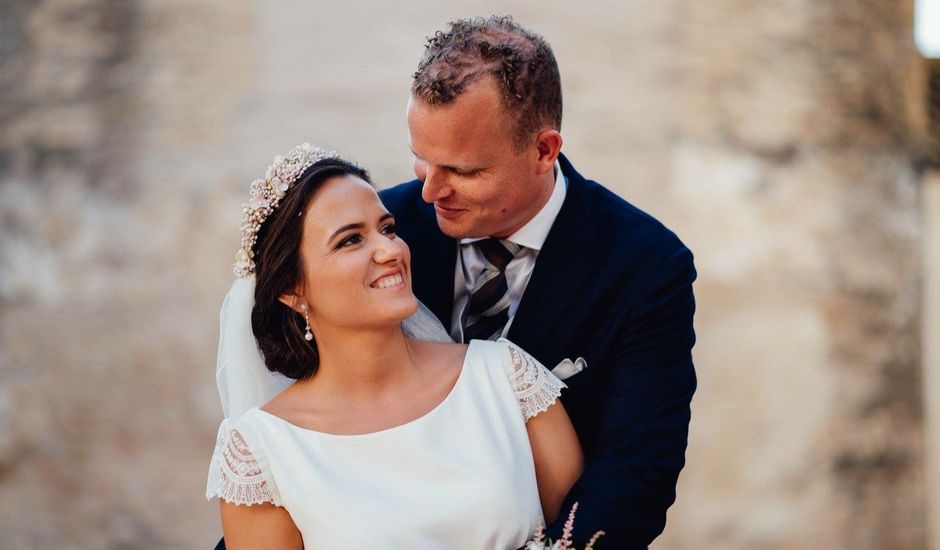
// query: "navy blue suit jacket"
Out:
[614,286]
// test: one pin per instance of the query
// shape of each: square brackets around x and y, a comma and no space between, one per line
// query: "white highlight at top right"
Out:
[927,27]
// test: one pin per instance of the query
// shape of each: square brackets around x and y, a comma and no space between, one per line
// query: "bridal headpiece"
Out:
[266,194]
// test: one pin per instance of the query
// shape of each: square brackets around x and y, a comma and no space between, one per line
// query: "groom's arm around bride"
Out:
[623,302]
[596,279]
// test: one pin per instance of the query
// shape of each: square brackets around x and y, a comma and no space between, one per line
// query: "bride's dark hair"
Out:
[278,271]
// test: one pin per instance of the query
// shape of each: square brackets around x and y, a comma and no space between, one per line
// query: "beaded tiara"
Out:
[266,194]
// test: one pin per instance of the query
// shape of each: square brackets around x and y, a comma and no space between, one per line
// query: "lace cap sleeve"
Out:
[238,475]
[535,386]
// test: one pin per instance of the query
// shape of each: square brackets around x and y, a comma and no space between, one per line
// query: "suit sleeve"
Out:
[641,431]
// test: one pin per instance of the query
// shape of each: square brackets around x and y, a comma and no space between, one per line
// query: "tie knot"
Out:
[499,252]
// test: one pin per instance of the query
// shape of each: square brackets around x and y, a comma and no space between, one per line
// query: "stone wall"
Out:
[779,139]
[795,165]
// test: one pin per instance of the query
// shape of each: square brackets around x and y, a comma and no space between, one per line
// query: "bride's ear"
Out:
[293,300]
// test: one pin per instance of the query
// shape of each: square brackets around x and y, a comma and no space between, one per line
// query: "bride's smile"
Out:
[393,280]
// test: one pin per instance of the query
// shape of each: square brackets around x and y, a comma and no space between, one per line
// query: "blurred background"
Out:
[788,143]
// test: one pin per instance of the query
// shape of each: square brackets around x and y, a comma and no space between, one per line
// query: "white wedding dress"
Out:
[461,476]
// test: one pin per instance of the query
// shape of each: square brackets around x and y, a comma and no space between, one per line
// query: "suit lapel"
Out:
[434,267]
[563,268]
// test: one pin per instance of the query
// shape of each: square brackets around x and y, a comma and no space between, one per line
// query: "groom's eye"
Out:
[466,173]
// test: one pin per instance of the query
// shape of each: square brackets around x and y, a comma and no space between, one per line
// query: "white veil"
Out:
[243,379]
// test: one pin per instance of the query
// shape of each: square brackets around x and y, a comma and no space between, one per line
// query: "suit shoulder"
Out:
[640,231]
[402,198]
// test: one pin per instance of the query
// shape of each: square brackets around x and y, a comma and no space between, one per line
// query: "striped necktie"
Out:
[488,309]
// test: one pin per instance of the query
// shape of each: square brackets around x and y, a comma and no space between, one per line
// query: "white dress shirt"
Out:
[532,235]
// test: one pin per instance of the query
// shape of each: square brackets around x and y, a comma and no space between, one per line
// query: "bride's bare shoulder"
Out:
[441,352]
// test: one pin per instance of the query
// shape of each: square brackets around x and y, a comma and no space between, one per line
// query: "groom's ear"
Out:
[548,144]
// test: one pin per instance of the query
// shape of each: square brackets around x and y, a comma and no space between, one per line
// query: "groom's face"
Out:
[481,185]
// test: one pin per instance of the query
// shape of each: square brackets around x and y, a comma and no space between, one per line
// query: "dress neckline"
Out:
[431,412]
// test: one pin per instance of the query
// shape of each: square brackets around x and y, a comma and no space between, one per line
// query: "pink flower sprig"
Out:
[539,536]
[540,542]
[565,542]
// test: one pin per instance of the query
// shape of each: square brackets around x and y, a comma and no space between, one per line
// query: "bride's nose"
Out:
[387,250]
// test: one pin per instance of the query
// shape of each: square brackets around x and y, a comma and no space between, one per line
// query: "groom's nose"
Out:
[435,184]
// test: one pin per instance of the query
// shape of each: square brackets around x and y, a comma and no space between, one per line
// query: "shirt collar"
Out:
[535,231]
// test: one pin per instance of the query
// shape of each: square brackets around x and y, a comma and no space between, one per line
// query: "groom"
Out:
[508,239]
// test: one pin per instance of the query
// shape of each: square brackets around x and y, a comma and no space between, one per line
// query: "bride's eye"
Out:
[355,238]
[389,229]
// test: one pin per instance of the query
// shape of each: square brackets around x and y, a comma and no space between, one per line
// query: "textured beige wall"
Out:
[779,139]
[794,167]
[931,349]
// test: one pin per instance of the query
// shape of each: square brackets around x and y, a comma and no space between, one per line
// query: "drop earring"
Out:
[308,335]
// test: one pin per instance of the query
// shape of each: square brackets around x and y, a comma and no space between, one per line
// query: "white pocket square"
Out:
[568,368]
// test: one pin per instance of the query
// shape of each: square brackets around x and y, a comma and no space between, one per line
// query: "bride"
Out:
[388,438]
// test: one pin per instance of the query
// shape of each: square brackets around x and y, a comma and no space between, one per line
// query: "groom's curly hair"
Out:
[520,61]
